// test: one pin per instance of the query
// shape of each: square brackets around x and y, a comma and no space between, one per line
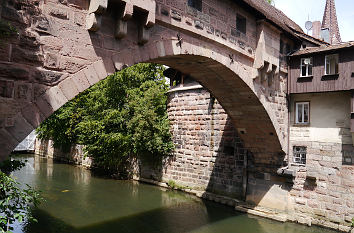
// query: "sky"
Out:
[302,10]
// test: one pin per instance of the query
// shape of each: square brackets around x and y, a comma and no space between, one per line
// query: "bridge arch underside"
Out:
[245,109]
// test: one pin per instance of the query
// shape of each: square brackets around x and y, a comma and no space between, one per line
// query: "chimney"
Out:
[316,29]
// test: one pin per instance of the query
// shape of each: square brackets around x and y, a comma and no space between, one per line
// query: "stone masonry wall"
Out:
[209,154]
[323,190]
[76,155]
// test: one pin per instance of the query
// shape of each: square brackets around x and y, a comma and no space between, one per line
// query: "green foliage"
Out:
[9,165]
[172,184]
[269,1]
[14,201]
[121,116]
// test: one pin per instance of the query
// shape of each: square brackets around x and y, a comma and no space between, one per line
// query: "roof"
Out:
[311,39]
[273,14]
[277,17]
[324,48]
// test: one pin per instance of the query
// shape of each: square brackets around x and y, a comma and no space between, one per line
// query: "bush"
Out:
[124,115]
[14,201]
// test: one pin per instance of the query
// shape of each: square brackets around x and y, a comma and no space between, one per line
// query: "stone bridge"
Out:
[62,47]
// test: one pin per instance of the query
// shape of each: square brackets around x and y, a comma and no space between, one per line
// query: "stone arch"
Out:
[228,77]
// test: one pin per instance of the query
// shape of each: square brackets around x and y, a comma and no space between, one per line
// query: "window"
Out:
[241,24]
[299,154]
[331,64]
[197,4]
[302,112]
[306,67]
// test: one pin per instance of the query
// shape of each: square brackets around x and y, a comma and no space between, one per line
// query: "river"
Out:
[77,201]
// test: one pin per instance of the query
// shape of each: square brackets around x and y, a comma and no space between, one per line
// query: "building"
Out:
[320,157]
[321,101]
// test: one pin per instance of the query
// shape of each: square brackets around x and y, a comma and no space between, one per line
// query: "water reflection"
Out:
[80,202]
[49,169]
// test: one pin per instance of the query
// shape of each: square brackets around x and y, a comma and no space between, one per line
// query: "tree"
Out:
[14,201]
[124,115]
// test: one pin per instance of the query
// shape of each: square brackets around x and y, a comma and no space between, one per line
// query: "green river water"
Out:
[78,201]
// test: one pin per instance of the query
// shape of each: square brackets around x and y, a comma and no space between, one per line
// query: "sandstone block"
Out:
[72,65]
[80,81]
[301,201]
[52,61]
[58,13]
[44,25]
[48,77]
[24,56]
[69,89]
[91,75]
[21,128]
[44,106]
[55,97]
[345,228]
[23,91]
[13,71]
[32,114]
[7,145]
[320,212]
[6,89]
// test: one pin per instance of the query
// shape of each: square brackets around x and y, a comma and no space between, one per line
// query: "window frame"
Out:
[306,66]
[241,18]
[337,64]
[303,111]
[298,157]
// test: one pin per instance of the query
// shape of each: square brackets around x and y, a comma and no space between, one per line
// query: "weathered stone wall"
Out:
[323,190]
[209,155]
[75,155]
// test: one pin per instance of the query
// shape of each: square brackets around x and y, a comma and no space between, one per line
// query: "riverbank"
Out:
[152,175]
[78,201]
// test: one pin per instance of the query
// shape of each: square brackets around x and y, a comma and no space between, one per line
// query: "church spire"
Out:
[330,21]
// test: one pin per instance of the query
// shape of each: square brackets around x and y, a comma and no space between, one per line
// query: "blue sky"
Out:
[300,10]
